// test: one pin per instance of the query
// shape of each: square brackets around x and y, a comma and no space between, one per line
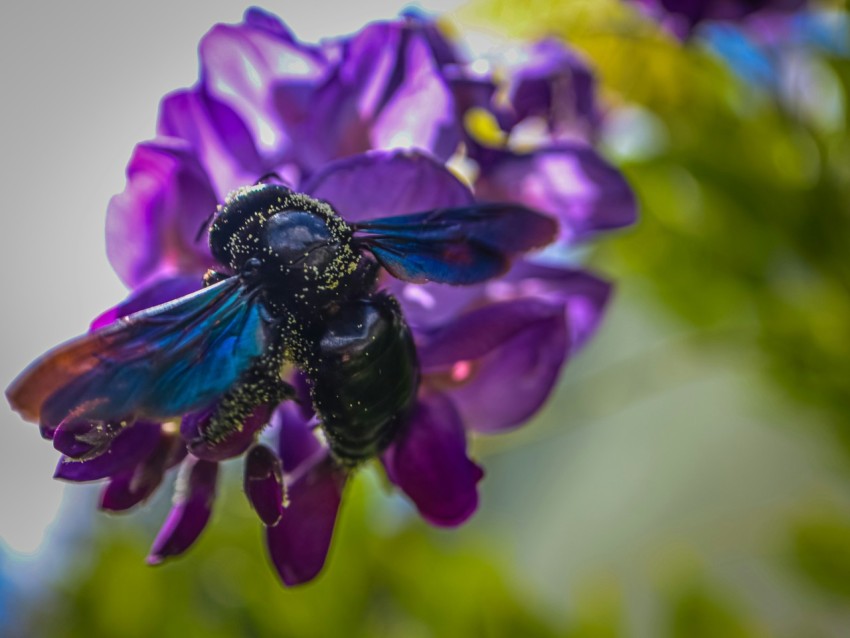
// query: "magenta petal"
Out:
[193,499]
[298,445]
[220,138]
[154,293]
[428,462]
[263,483]
[571,182]
[151,227]
[129,447]
[299,543]
[381,184]
[514,360]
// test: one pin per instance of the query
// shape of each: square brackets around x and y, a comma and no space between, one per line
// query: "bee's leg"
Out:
[235,407]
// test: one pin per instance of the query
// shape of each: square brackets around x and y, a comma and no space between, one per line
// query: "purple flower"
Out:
[682,17]
[370,124]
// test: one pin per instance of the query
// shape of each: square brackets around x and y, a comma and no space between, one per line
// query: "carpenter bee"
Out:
[295,285]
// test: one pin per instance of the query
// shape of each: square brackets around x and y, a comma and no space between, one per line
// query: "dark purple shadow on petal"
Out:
[154,293]
[127,489]
[131,446]
[555,83]
[193,500]
[152,225]
[298,445]
[220,138]
[570,181]
[507,359]
[298,545]
[263,483]
[428,462]
[386,183]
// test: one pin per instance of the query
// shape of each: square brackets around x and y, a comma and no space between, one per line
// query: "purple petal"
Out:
[514,353]
[242,64]
[403,123]
[220,138]
[133,444]
[571,182]
[194,425]
[299,543]
[81,440]
[151,226]
[298,443]
[428,462]
[382,184]
[264,483]
[584,295]
[193,499]
[555,83]
[372,99]
[154,293]
[129,488]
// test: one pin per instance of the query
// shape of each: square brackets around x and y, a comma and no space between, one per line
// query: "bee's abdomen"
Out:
[364,377]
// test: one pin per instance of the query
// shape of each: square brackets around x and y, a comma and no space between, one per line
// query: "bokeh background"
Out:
[690,476]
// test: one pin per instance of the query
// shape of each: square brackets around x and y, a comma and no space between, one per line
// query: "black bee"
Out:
[296,285]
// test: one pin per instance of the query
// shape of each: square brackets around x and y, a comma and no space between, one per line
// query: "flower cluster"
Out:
[682,17]
[371,124]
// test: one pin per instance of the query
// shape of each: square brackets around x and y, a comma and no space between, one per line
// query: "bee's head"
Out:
[281,238]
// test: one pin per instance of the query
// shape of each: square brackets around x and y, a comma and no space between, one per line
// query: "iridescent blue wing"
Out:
[455,245]
[155,364]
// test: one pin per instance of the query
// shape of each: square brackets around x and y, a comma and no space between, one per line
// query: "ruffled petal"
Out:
[243,64]
[154,293]
[571,182]
[219,136]
[403,123]
[151,227]
[133,444]
[372,99]
[263,483]
[386,183]
[498,363]
[299,543]
[193,499]
[428,462]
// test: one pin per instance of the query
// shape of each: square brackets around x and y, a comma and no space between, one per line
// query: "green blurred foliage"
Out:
[401,582]
[387,576]
[820,550]
[745,203]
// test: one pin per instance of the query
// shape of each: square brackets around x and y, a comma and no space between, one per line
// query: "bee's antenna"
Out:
[202,229]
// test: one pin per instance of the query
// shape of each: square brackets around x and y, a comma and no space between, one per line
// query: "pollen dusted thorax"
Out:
[350,341]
